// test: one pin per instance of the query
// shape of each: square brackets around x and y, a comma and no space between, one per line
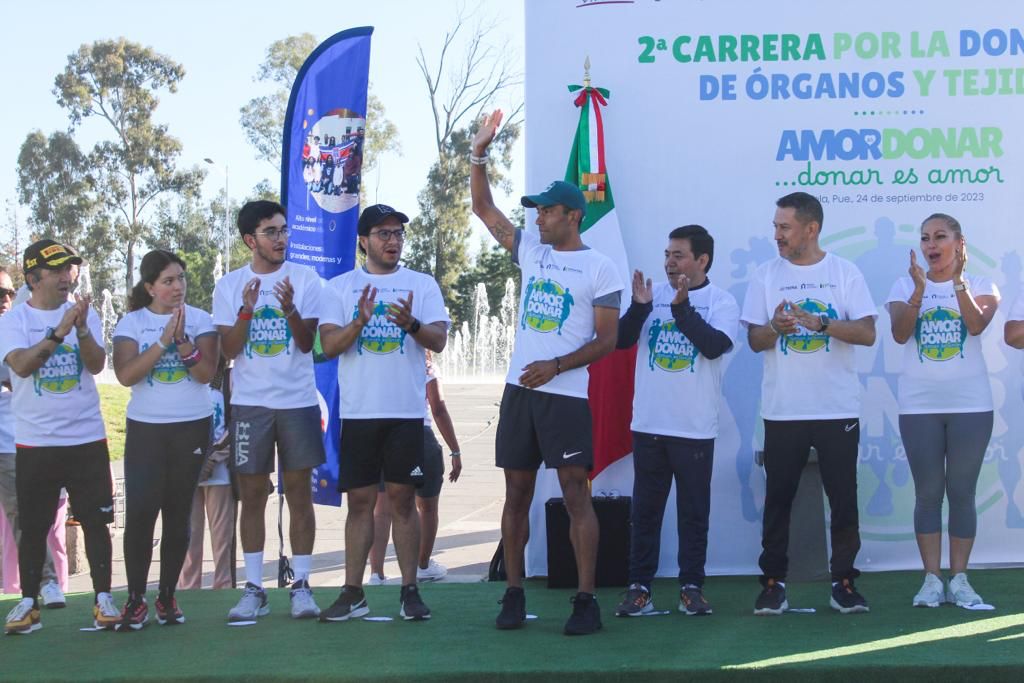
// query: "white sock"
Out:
[301,564]
[254,568]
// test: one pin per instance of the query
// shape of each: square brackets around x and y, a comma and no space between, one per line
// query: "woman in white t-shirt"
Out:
[945,400]
[166,351]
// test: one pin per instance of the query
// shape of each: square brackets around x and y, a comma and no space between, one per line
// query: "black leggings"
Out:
[161,470]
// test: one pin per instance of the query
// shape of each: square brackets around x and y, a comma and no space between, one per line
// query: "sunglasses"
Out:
[4,292]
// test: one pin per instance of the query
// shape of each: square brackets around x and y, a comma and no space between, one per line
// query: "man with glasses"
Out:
[266,313]
[380,320]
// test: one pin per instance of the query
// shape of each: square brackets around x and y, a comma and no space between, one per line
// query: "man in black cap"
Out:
[59,432]
[569,319]
[380,320]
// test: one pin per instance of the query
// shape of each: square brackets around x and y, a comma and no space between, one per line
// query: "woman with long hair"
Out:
[166,351]
[945,401]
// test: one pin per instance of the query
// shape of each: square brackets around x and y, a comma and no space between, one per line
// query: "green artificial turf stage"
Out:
[460,642]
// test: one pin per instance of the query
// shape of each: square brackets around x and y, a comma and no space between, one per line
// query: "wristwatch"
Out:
[962,287]
[825,320]
[415,327]
[51,335]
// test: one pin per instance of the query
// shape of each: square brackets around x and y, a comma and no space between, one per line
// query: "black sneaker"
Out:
[513,609]
[772,600]
[692,601]
[413,608]
[636,603]
[845,598]
[586,616]
[351,603]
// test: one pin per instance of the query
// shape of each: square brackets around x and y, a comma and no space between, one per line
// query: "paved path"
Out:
[470,510]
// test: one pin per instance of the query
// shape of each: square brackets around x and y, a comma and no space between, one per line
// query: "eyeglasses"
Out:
[386,235]
[272,234]
[4,292]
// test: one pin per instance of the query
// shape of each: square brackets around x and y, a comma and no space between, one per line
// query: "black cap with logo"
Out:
[48,254]
[375,215]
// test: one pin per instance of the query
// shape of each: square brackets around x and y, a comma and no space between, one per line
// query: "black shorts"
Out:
[536,426]
[389,446]
[84,470]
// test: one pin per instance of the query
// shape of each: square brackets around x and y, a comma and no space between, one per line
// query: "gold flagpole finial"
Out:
[586,72]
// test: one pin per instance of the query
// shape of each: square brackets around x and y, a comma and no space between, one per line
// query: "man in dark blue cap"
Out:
[569,319]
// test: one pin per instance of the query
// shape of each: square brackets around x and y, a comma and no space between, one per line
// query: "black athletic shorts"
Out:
[389,446]
[536,426]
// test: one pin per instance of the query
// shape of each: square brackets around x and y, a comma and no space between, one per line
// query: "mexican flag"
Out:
[611,378]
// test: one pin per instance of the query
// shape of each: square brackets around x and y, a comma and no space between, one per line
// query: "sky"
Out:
[221,43]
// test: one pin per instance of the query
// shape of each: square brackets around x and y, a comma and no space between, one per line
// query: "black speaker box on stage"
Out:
[612,548]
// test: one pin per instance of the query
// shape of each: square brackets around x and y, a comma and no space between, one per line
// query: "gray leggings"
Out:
[945,452]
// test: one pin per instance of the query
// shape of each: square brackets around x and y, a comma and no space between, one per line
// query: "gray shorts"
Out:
[257,430]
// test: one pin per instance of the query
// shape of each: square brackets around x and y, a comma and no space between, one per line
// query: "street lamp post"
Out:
[227,220]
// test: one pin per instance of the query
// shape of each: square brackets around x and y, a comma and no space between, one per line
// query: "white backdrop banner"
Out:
[887,112]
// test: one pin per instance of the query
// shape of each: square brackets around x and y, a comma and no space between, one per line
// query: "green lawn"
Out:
[113,403]
[893,642]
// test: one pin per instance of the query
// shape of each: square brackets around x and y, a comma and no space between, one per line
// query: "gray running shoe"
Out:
[960,592]
[253,604]
[932,593]
[413,607]
[303,605]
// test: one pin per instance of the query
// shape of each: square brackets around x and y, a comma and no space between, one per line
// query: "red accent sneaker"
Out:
[168,613]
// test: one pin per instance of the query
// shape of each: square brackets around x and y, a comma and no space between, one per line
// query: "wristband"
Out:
[914,304]
[771,324]
[81,335]
[289,312]
[558,366]
[456,454]
[478,160]
[163,347]
[193,358]
[962,287]
[242,315]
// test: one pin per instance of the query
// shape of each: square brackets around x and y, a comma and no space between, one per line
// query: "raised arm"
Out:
[497,223]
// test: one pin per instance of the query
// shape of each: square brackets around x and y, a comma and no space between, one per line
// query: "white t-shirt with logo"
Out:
[168,393]
[6,417]
[556,314]
[677,389]
[383,374]
[809,376]
[944,368]
[57,405]
[270,371]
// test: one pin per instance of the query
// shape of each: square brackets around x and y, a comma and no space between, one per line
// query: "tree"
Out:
[458,91]
[116,82]
[262,117]
[56,183]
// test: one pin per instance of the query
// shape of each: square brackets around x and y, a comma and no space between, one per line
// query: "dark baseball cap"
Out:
[375,215]
[48,254]
[558,192]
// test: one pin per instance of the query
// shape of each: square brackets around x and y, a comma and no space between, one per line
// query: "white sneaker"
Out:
[53,596]
[376,579]
[433,572]
[960,592]
[932,593]
[303,605]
